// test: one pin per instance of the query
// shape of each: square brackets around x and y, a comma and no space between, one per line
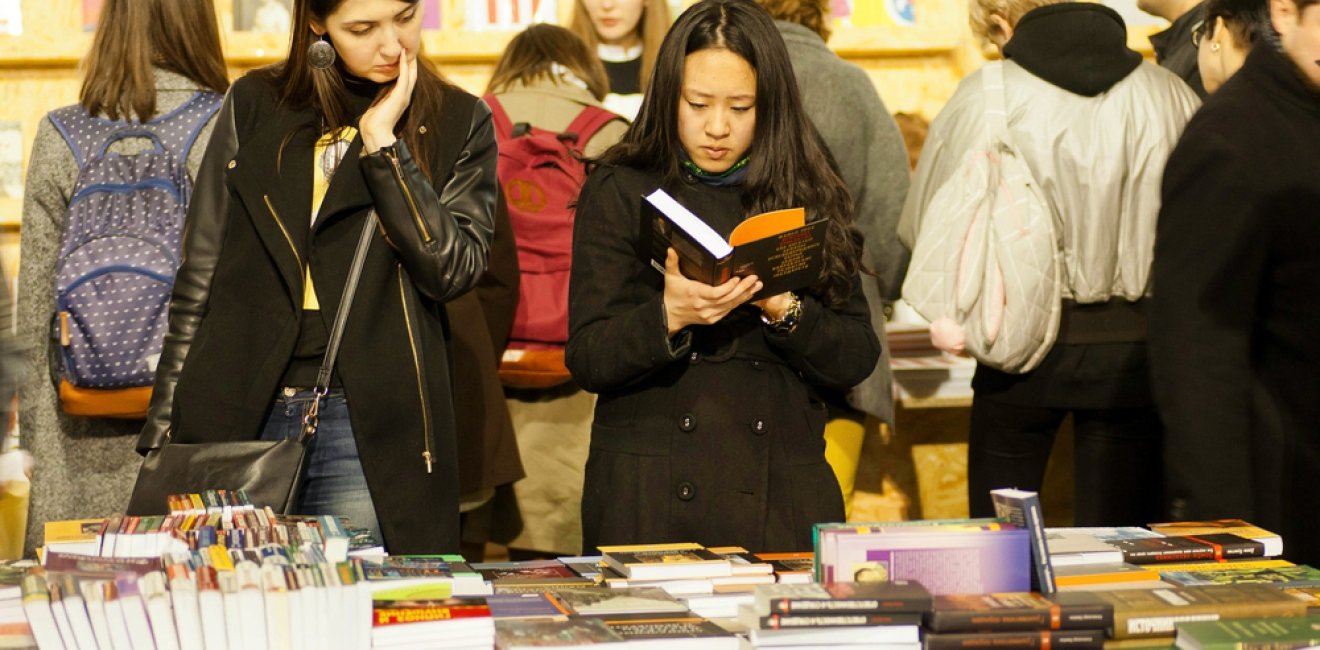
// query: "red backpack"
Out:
[541,172]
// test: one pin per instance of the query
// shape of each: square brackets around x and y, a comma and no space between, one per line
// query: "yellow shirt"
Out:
[326,155]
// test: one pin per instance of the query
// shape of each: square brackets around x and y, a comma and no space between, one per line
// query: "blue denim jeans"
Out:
[334,483]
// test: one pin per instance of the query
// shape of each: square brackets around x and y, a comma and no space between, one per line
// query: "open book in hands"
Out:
[780,247]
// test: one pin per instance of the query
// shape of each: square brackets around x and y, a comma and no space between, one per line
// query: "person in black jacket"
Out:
[353,120]
[709,421]
[1234,316]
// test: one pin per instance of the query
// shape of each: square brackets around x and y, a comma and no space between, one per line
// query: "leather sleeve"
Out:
[443,238]
[498,288]
[204,230]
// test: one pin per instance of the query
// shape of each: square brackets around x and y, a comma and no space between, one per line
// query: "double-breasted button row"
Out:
[686,491]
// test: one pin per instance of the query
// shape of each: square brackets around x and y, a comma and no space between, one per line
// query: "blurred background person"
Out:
[546,77]
[1234,316]
[1094,123]
[1231,28]
[1175,47]
[625,34]
[148,58]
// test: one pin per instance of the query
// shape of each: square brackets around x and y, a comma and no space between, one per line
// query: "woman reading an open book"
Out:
[708,426]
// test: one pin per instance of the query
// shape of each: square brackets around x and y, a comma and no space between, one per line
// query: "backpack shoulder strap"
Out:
[503,127]
[68,120]
[178,129]
[588,122]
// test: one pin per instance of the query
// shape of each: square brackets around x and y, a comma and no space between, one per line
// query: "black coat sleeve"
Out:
[204,230]
[1210,254]
[832,348]
[617,333]
[442,238]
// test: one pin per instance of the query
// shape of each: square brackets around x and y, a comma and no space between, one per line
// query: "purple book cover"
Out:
[945,562]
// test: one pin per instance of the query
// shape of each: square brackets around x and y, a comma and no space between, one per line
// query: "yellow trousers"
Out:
[843,450]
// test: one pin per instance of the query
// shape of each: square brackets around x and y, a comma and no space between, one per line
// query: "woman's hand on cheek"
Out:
[688,302]
[378,123]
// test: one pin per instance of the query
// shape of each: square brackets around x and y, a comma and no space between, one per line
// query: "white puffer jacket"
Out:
[1098,161]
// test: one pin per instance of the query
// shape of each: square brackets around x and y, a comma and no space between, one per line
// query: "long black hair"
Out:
[789,163]
[300,86]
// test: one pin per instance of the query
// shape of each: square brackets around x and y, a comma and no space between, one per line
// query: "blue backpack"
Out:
[119,250]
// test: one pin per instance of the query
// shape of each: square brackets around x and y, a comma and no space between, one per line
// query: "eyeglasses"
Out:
[1199,31]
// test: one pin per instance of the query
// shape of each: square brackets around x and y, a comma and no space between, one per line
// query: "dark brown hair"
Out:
[1247,20]
[651,28]
[301,86]
[532,54]
[789,165]
[812,14]
[132,37]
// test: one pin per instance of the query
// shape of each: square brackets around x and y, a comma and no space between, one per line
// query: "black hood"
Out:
[1080,47]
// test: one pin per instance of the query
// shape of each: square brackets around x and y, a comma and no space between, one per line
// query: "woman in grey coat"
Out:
[148,58]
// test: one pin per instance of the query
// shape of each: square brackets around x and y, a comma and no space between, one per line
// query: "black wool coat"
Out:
[234,317]
[715,436]
[1235,311]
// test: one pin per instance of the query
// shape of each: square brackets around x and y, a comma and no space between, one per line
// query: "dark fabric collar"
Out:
[1275,74]
[1178,33]
[1079,47]
[733,176]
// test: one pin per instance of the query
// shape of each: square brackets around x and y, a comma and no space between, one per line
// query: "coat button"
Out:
[686,491]
[756,365]
[759,427]
[695,357]
[687,422]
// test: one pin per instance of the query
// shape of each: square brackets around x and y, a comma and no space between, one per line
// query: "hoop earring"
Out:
[1214,47]
[320,54]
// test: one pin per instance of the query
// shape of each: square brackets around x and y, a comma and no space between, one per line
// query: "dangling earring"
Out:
[321,54]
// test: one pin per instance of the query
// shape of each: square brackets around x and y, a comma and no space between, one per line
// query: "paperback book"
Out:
[1215,546]
[1019,611]
[780,248]
[1250,634]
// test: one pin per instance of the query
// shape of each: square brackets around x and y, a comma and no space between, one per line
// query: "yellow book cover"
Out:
[72,530]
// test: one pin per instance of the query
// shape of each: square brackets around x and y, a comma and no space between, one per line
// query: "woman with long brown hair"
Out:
[709,423]
[152,61]
[354,121]
[626,35]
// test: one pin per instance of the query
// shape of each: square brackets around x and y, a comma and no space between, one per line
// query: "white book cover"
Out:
[211,606]
[159,612]
[251,605]
[62,618]
[275,594]
[114,617]
[76,611]
[40,615]
[134,609]
[1072,548]
[93,597]
[187,618]
[228,583]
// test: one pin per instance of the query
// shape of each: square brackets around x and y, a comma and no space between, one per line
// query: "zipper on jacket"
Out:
[393,157]
[417,370]
[280,222]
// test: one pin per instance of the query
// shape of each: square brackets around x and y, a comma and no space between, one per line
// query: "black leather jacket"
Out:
[250,240]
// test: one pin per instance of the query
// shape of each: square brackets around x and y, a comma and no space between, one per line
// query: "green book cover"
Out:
[1250,634]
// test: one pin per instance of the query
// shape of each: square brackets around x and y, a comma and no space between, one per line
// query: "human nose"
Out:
[717,125]
[391,46]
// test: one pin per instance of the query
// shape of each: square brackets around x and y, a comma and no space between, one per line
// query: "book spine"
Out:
[872,605]
[792,621]
[1025,640]
[1059,617]
[1148,556]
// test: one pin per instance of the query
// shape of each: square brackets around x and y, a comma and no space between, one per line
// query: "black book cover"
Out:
[1019,611]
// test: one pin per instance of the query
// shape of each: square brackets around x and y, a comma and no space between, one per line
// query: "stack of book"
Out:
[448,572]
[630,617]
[1274,633]
[885,615]
[424,618]
[1018,621]
[710,583]
[947,556]
[252,598]
[197,521]
[14,629]
[1152,613]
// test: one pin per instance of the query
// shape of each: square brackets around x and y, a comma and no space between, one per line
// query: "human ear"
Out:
[1283,16]
[1000,31]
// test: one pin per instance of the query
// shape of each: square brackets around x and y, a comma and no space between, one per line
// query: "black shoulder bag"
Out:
[270,471]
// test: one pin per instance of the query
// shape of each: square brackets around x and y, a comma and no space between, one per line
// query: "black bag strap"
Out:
[312,419]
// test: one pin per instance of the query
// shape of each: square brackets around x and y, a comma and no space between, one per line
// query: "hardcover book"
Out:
[899,596]
[1020,640]
[1019,611]
[1216,546]
[1022,509]
[780,248]
[1250,634]
[1293,576]
[1154,612]
[946,560]
[1272,541]
[665,561]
